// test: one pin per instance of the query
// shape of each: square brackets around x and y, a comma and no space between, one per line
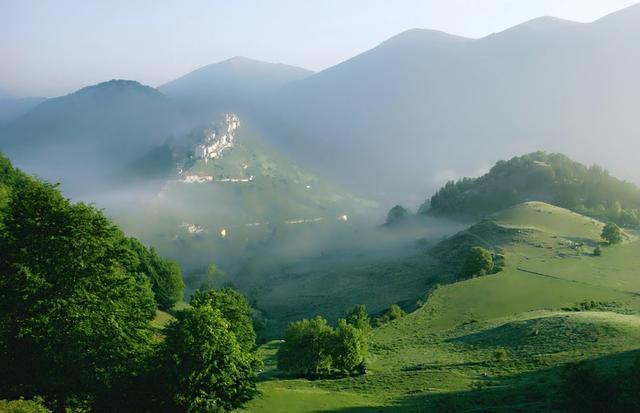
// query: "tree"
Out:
[164,275]
[612,233]
[214,278]
[204,368]
[312,348]
[349,347]
[234,308]
[479,261]
[73,320]
[359,318]
[397,214]
[306,349]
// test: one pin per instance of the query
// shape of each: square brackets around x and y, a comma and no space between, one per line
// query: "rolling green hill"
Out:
[497,342]
[539,176]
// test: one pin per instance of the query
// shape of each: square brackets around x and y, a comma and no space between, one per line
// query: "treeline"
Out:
[552,178]
[76,302]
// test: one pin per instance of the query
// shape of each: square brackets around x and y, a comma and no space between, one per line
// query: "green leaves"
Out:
[312,348]
[205,368]
[479,261]
[612,234]
[68,308]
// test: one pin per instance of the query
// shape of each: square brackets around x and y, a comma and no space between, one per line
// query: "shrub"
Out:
[612,233]
[22,406]
[500,355]
[392,313]
[479,261]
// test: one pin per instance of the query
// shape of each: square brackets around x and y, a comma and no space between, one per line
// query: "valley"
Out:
[495,342]
[438,220]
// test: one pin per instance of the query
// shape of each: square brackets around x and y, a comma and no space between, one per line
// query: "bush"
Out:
[392,313]
[22,406]
[612,233]
[479,261]
[597,251]
[501,355]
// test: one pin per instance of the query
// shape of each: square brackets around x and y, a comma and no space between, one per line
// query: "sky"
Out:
[54,47]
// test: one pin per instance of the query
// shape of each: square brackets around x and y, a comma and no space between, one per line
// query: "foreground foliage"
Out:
[72,319]
[76,300]
[204,367]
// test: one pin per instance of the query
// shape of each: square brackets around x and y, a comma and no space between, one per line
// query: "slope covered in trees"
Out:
[76,302]
[552,178]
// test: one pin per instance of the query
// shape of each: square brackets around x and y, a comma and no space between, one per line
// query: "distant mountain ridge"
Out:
[397,121]
[449,106]
[238,80]
[84,136]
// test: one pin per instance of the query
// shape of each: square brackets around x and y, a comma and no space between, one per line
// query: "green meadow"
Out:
[496,342]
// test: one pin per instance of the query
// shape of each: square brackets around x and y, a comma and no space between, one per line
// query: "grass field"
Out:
[498,342]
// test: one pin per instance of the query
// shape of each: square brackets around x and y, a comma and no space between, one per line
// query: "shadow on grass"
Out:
[532,392]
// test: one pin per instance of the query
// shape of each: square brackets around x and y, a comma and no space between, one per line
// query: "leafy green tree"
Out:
[612,233]
[204,368]
[359,318]
[348,347]
[234,308]
[73,320]
[164,275]
[479,261]
[306,350]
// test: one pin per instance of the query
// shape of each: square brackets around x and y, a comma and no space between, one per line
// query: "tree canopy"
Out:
[552,178]
[204,367]
[76,300]
[73,319]
[479,261]
[313,348]
[234,308]
[164,275]
[612,233]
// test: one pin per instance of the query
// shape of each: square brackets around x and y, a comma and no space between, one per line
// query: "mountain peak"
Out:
[542,24]
[116,86]
[234,77]
[423,36]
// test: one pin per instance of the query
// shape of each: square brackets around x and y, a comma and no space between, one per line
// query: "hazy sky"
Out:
[53,47]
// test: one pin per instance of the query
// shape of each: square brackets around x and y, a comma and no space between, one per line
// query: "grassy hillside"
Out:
[498,342]
[294,244]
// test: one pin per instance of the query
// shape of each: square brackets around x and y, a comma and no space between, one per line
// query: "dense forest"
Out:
[539,176]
